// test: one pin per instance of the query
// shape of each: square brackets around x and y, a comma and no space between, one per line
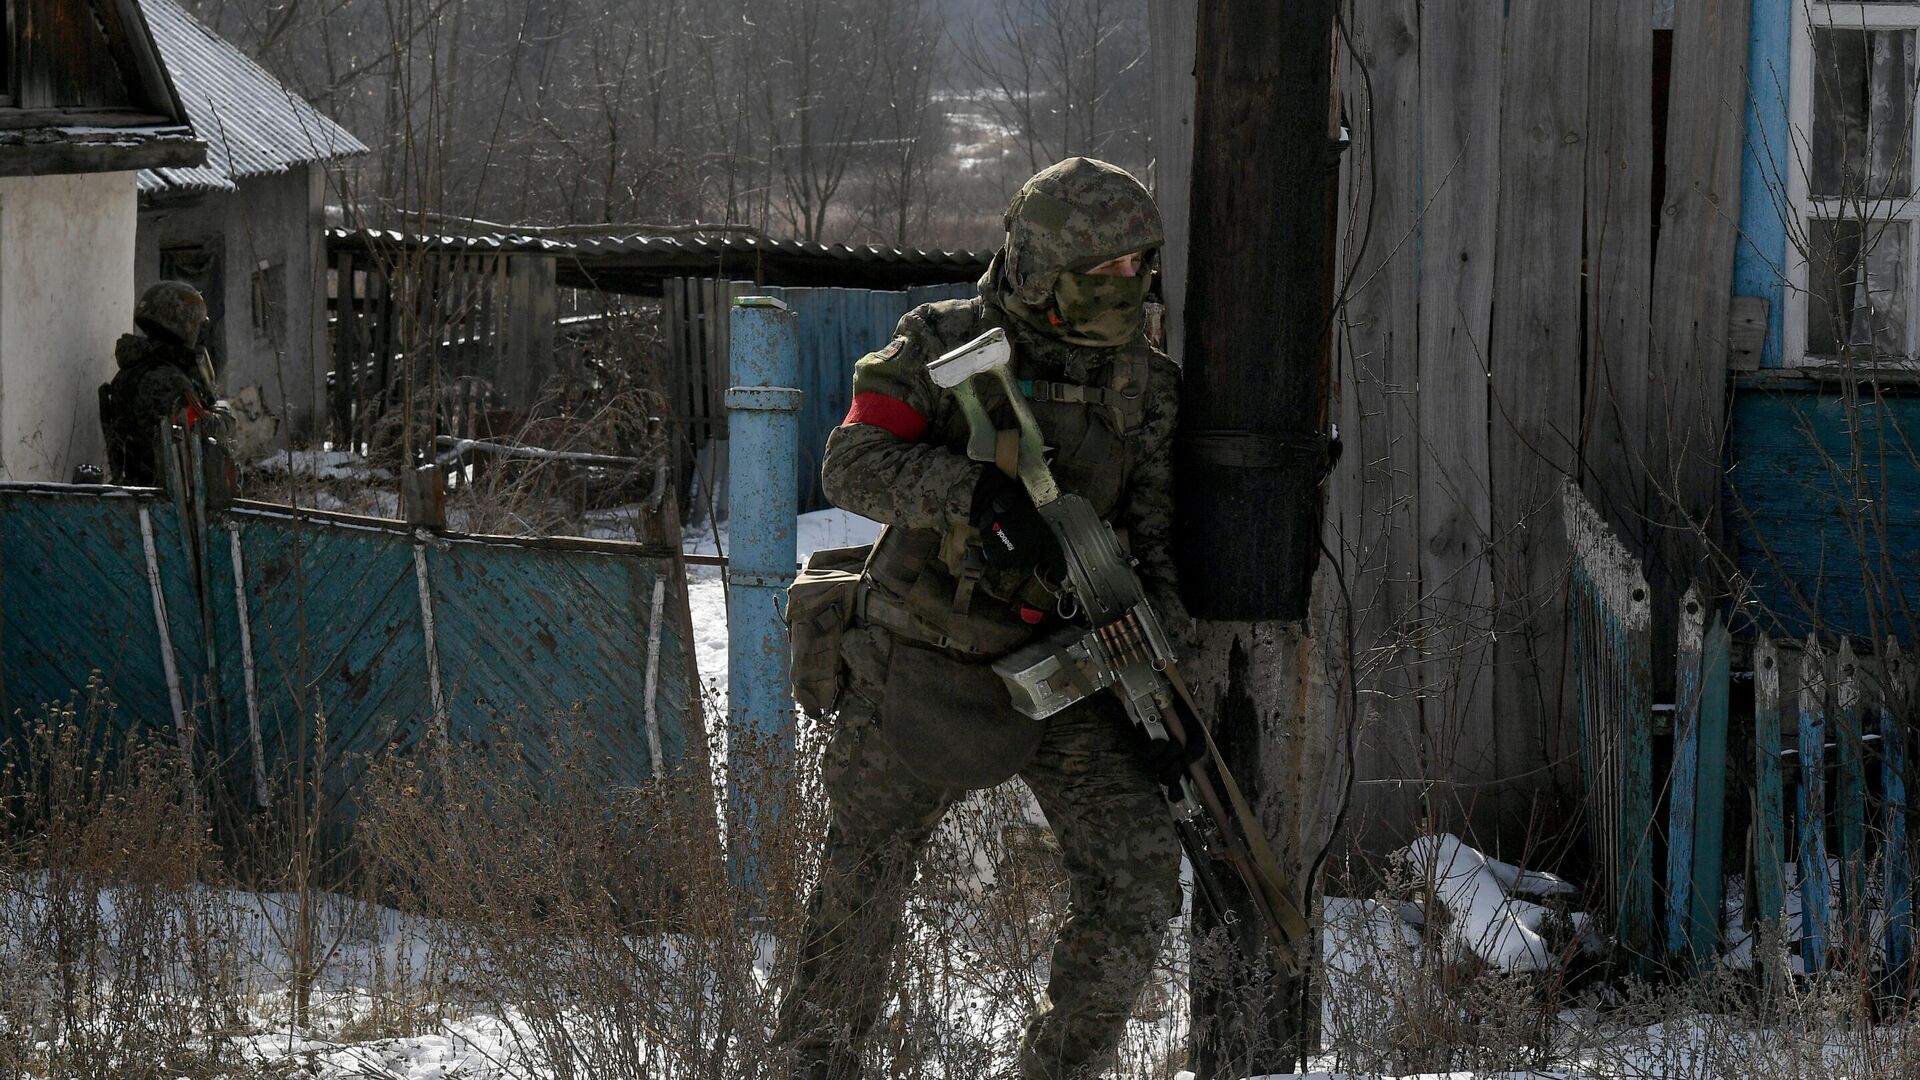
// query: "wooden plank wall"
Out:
[1498,337]
[1460,154]
[1374,489]
[1620,251]
[1693,278]
[1535,390]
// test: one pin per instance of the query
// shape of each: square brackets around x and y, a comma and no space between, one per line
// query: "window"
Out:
[1852,250]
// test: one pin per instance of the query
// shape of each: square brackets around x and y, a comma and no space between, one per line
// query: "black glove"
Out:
[1013,535]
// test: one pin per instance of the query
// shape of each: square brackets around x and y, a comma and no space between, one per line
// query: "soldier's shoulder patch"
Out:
[892,348]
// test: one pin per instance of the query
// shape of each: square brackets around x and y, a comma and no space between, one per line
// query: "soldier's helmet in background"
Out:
[1074,216]
[171,311]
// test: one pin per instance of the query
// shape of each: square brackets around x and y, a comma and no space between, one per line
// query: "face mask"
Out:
[1102,309]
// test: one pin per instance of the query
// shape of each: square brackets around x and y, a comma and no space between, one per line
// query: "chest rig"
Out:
[932,585]
[1090,405]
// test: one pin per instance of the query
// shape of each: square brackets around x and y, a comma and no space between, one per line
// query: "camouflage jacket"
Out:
[900,458]
[156,379]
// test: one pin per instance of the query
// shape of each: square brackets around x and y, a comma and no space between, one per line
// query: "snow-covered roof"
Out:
[252,125]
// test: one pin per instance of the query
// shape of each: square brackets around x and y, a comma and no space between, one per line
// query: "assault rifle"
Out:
[1126,649]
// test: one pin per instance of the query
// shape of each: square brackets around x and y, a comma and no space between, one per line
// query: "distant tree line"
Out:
[904,122]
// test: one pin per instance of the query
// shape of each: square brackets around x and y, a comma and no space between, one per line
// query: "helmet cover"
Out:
[171,310]
[1074,216]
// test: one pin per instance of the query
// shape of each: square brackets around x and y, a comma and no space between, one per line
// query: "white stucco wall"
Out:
[66,294]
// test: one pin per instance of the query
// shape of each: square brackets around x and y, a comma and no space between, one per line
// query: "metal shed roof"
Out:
[252,125]
[639,264]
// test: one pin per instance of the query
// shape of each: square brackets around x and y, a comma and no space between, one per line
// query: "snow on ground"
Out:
[321,464]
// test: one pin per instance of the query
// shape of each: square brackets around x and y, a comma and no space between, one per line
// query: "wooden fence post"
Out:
[1850,801]
[1899,882]
[1810,804]
[1768,903]
[1682,785]
[1709,815]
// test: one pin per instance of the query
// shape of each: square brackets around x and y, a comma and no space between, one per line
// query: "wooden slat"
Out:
[1769,819]
[1374,487]
[1693,279]
[1683,785]
[1460,146]
[1534,413]
[1709,814]
[1637,826]
[347,351]
[1619,194]
[716,300]
[1850,797]
[1894,734]
[1811,809]
[1171,29]
[392,291]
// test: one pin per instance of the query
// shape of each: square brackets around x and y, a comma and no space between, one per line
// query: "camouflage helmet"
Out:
[1074,216]
[173,310]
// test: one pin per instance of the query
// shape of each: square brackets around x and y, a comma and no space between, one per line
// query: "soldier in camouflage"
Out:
[164,372]
[926,718]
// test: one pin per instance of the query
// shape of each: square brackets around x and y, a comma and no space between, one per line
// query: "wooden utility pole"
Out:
[1259,294]
[1251,454]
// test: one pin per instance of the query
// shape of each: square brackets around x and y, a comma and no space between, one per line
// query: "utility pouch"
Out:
[820,607]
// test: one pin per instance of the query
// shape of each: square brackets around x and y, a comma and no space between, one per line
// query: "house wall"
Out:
[276,221]
[1822,490]
[1823,501]
[66,294]
[1760,260]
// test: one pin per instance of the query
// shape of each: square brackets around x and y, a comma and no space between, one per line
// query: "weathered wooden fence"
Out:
[469,327]
[1828,737]
[263,636]
[835,327]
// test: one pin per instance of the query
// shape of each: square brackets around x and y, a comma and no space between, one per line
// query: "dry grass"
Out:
[603,934]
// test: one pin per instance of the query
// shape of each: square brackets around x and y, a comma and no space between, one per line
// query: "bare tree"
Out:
[1064,77]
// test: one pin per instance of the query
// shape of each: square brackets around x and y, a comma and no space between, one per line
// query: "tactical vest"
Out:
[1092,428]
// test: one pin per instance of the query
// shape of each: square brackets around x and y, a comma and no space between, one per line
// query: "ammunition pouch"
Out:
[821,605]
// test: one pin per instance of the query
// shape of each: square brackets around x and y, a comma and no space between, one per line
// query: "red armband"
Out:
[887,413]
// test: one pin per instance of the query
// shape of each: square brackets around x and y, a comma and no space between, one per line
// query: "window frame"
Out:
[1809,16]
[9,56]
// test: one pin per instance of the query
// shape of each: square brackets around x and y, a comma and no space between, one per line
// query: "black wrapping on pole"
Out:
[1260,281]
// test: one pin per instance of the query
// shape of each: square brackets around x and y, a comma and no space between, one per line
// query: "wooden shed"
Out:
[1663,250]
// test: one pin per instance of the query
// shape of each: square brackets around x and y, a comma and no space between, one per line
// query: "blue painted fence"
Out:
[1835,786]
[338,640]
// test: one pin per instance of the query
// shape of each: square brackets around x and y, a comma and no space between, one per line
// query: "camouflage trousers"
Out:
[1122,856]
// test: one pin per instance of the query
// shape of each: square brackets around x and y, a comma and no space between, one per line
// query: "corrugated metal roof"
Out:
[640,263]
[252,125]
[665,245]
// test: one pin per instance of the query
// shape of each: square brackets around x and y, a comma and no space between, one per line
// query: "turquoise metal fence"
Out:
[340,640]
